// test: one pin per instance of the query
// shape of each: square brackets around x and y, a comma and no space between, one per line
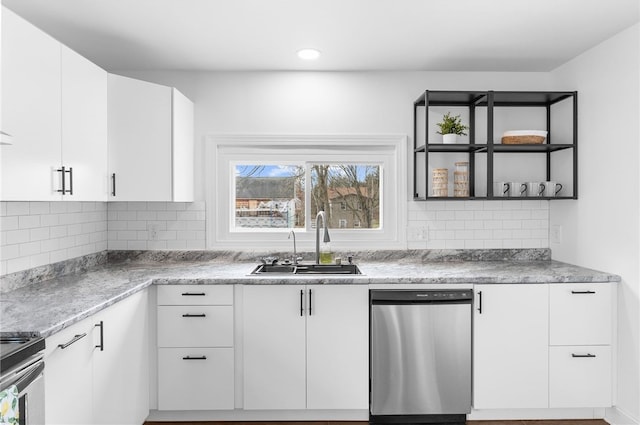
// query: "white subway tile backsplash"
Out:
[58,207]
[9,223]
[147,215]
[28,221]
[156,225]
[175,206]
[167,215]
[39,208]
[137,245]
[16,236]
[39,233]
[57,231]
[17,208]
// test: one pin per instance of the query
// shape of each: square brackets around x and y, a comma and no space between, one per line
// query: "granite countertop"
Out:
[44,308]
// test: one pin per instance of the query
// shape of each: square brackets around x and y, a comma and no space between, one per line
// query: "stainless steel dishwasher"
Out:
[420,368]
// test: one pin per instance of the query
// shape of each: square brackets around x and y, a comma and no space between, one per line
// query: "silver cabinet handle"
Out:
[194,315]
[583,292]
[574,355]
[74,339]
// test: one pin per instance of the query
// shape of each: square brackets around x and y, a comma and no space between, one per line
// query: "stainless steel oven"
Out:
[22,365]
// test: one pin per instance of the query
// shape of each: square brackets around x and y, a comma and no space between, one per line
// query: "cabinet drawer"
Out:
[195,326]
[580,314]
[195,295]
[195,378]
[580,376]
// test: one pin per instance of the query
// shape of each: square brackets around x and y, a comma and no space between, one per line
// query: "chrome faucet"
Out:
[321,215]
[295,253]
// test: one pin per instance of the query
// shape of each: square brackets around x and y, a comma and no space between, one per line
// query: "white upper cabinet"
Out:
[150,133]
[84,127]
[31,112]
[54,106]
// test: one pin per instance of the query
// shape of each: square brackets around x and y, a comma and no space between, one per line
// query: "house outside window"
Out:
[264,186]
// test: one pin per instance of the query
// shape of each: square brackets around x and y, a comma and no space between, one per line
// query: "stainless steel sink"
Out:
[307,269]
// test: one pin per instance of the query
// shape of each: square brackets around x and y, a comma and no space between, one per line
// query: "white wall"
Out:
[357,102]
[319,102]
[601,229]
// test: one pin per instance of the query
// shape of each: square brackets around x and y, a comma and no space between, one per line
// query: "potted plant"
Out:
[451,127]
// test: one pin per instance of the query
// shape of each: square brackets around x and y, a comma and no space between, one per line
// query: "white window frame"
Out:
[223,150]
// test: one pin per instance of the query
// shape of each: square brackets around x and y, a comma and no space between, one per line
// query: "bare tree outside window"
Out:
[347,192]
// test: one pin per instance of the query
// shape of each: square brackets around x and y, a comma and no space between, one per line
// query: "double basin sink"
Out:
[306,269]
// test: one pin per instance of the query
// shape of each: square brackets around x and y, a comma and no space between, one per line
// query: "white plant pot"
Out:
[449,139]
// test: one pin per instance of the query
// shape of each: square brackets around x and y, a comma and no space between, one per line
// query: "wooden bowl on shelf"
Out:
[524,137]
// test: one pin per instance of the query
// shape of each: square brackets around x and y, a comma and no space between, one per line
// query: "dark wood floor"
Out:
[527,422]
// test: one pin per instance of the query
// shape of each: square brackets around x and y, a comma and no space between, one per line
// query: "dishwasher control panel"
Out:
[421,296]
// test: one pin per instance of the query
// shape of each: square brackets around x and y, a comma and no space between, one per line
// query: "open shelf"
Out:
[486,102]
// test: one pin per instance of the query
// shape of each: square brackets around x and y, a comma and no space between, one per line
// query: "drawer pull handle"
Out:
[582,355]
[74,339]
[193,294]
[194,315]
[583,292]
[195,358]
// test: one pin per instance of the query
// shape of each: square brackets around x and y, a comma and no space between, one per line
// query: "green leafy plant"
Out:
[452,125]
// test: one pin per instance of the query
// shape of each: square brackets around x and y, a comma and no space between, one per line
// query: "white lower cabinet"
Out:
[69,375]
[511,344]
[195,378]
[85,384]
[543,345]
[580,360]
[305,347]
[580,376]
[195,347]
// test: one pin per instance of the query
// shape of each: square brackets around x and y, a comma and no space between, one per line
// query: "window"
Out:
[261,187]
[271,196]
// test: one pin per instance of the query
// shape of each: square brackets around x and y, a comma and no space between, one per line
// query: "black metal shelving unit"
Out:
[491,100]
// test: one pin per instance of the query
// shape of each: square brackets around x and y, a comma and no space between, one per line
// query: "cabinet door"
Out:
[69,375]
[183,145]
[195,326]
[580,376]
[121,368]
[274,347]
[195,379]
[139,139]
[580,314]
[337,347]
[30,112]
[511,337]
[84,126]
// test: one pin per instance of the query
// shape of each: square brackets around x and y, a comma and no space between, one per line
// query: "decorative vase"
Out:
[450,138]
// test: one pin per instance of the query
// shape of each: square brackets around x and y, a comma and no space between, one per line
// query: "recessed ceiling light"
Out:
[308,54]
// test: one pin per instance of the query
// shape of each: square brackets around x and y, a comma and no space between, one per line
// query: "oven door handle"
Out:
[25,377]
[23,383]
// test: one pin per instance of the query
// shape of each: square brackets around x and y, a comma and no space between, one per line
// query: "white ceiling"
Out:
[435,35]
